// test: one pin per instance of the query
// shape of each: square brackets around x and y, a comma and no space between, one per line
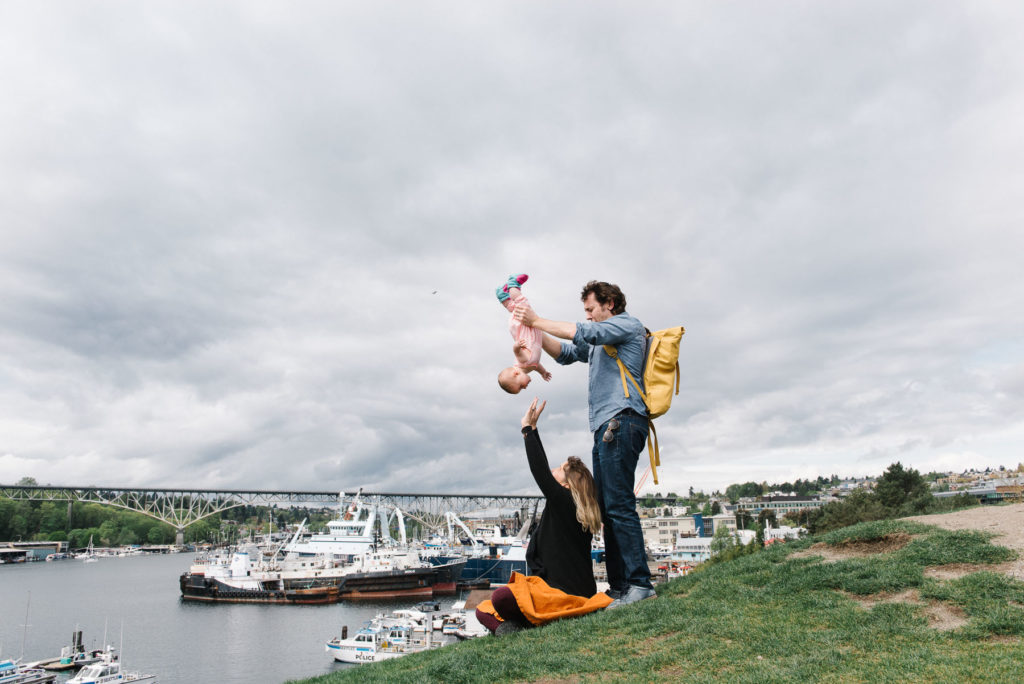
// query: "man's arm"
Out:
[552,346]
[525,314]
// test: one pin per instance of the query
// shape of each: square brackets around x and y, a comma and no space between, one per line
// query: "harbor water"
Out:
[179,641]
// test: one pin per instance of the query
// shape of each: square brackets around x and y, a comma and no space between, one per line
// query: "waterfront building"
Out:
[662,532]
[713,522]
[693,550]
[781,505]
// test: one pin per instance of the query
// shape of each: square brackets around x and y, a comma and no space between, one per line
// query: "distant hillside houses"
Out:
[989,491]
[974,478]
[847,486]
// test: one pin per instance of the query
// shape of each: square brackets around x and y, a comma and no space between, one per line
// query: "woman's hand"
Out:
[533,413]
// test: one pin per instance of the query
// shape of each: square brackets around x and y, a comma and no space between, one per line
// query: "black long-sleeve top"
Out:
[559,550]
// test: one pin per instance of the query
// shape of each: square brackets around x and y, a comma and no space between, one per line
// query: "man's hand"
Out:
[525,314]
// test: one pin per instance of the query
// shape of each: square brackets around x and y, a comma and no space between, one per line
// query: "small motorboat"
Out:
[108,671]
[12,672]
[385,637]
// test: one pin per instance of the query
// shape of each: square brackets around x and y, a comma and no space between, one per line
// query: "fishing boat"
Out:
[108,671]
[380,573]
[12,672]
[360,526]
[490,558]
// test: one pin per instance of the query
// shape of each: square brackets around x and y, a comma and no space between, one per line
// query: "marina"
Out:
[178,641]
[355,559]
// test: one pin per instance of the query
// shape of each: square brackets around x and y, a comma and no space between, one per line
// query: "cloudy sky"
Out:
[255,244]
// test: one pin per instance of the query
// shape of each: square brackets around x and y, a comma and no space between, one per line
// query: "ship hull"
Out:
[410,582]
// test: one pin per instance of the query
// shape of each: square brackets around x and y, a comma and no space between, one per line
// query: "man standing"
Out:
[619,424]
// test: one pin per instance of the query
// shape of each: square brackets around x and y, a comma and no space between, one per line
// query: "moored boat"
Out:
[384,573]
[90,554]
[12,672]
[355,531]
[108,671]
[75,656]
[386,637]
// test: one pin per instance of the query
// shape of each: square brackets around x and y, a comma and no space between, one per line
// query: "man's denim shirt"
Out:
[605,385]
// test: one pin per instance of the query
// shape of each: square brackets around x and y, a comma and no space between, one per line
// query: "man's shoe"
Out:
[632,595]
[614,593]
[507,627]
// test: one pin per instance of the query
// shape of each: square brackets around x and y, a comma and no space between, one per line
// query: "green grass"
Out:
[768,617]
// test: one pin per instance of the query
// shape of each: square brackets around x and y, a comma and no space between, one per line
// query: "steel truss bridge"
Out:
[182,507]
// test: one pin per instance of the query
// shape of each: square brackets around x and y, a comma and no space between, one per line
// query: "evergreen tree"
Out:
[898,486]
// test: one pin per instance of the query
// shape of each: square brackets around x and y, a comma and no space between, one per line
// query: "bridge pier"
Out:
[179,537]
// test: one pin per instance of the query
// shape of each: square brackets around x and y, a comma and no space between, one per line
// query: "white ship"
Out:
[352,533]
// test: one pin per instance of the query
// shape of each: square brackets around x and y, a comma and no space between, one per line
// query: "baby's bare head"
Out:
[513,380]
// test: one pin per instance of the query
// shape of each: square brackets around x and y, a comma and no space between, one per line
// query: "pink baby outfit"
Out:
[534,338]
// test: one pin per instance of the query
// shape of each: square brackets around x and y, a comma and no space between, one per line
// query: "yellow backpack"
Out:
[661,378]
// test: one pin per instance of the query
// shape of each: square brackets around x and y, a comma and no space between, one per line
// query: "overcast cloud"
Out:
[255,245]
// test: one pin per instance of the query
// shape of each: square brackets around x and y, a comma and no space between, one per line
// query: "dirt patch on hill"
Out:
[944,616]
[958,570]
[1005,522]
[855,548]
[941,616]
[884,544]
[872,600]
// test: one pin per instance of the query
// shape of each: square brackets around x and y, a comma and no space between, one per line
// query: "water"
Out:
[179,641]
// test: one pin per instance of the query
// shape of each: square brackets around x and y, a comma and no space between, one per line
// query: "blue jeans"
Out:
[614,473]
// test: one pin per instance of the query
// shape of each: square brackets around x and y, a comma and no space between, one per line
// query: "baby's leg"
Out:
[514,294]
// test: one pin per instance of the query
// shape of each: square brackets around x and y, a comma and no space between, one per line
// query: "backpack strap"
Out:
[652,435]
[654,452]
[614,353]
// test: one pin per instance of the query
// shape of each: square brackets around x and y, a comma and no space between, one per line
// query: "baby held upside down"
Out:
[528,341]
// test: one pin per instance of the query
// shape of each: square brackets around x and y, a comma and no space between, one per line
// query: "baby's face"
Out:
[514,380]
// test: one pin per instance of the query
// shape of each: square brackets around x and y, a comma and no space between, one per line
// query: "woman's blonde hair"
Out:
[584,495]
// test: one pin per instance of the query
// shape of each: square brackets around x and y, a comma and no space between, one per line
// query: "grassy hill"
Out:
[879,601]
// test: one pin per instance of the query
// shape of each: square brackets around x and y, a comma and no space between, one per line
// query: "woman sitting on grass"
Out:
[561,581]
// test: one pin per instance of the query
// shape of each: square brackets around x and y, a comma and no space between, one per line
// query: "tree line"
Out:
[110,526]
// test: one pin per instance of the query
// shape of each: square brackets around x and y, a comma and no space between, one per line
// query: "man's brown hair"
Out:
[605,293]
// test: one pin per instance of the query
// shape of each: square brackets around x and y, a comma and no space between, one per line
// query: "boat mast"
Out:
[24,635]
